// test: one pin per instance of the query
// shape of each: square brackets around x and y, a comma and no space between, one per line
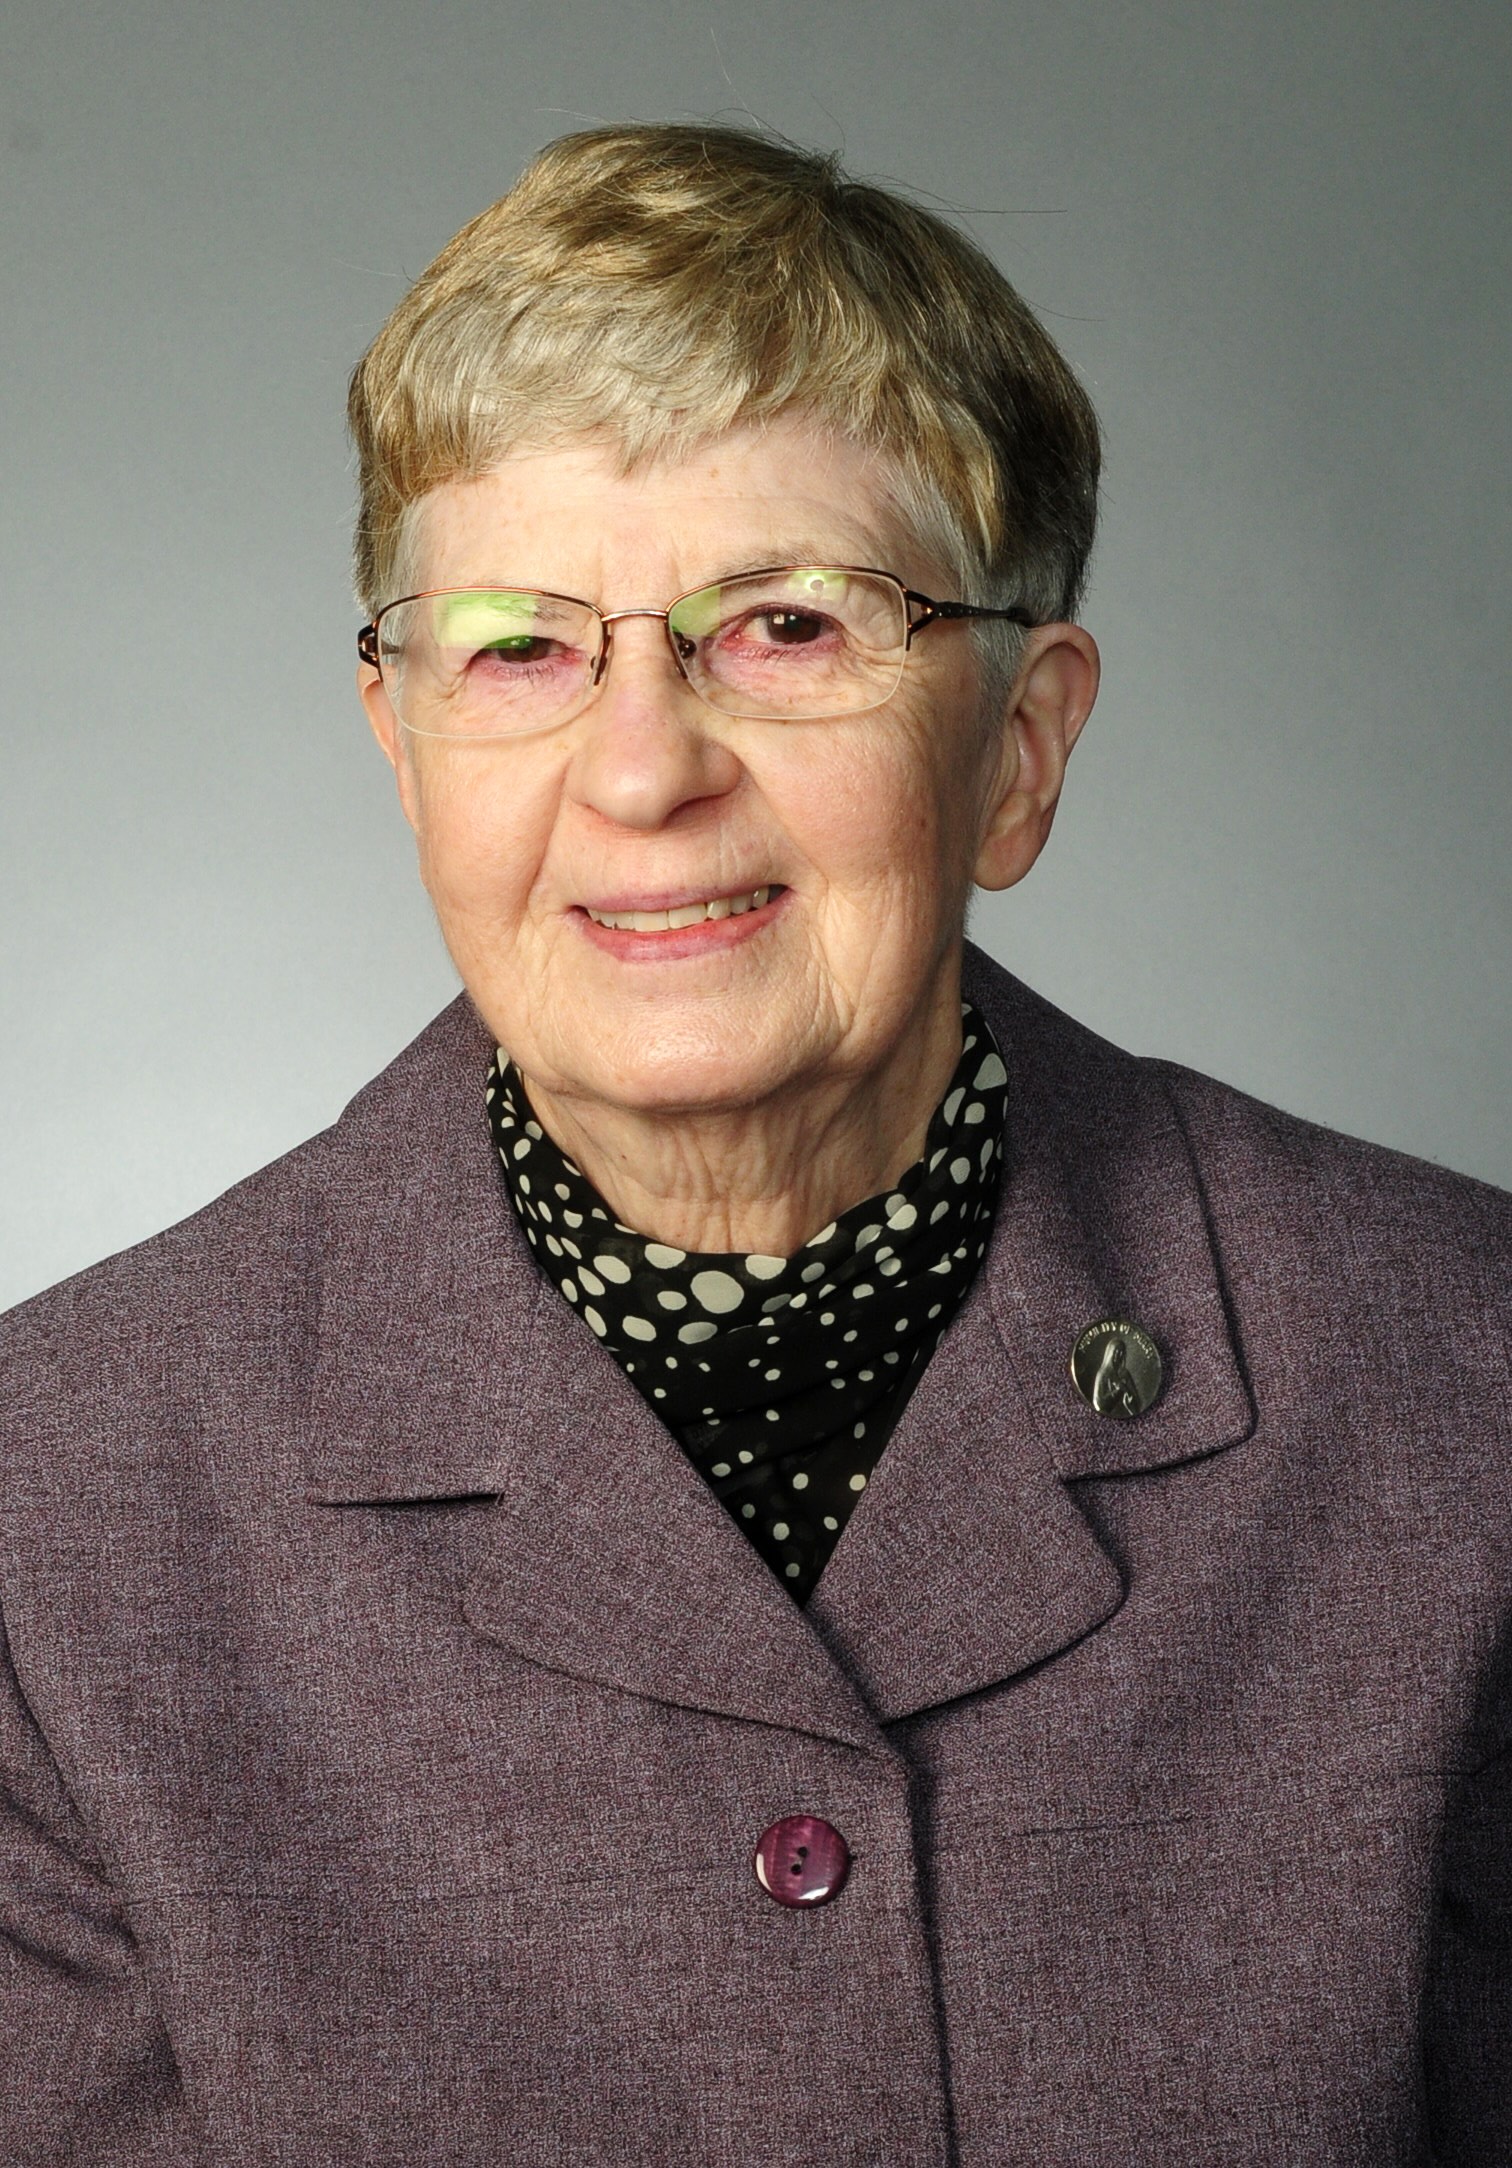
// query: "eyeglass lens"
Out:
[801,643]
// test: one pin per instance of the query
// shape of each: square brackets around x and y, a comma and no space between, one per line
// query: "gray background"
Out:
[1272,238]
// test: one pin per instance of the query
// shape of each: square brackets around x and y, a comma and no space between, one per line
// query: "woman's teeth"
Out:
[687,914]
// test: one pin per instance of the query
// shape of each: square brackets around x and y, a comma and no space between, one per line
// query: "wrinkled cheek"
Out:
[474,860]
[476,908]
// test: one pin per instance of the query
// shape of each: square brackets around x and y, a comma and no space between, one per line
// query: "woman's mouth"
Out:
[685,914]
[679,932]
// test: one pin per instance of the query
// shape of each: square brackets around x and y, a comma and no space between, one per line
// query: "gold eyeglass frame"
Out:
[930,612]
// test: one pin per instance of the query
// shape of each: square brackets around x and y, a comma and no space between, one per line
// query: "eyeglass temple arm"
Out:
[931,612]
[367,645]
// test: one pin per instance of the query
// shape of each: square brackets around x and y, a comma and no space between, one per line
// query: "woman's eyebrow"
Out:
[777,555]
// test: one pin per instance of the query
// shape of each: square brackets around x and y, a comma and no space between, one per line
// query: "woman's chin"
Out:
[673,1065]
[710,1085]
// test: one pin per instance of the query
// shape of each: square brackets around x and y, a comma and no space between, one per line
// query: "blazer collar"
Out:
[447,1367]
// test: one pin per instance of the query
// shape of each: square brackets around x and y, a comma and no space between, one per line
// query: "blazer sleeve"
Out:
[87,2075]
[1469,2002]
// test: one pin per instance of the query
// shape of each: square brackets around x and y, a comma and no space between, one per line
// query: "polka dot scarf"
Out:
[781,1377]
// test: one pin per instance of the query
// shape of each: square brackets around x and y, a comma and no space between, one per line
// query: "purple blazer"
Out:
[388,1712]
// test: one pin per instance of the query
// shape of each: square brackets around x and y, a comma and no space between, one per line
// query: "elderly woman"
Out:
[769,1554]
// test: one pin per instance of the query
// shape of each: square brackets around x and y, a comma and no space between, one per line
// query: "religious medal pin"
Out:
[1117,1369]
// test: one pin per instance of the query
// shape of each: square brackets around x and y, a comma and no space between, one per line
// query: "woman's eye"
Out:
[517,647]
[789,628]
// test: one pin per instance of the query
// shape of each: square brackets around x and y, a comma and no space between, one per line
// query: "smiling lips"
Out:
[685,914]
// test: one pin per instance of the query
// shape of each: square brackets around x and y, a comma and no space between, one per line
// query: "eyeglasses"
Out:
[794,643]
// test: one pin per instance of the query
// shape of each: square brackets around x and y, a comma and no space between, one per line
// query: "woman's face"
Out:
[863,829]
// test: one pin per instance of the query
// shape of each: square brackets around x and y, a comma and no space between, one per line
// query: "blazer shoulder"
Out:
[1233,1122]
[1301,1215]
[227,1276]
[1362,1215]
[229,1284]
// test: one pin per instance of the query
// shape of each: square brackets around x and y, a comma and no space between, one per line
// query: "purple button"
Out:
[801,1860]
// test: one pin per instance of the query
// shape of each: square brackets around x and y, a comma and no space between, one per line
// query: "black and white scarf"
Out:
[781,1377]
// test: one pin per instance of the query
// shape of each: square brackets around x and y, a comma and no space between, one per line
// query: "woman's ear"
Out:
[1052,697]
[385,726]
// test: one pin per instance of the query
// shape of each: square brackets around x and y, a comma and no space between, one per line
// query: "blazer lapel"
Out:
[968,1559]
[447,1367]
[611,1559]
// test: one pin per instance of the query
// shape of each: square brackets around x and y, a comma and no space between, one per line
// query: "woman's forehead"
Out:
[569,516]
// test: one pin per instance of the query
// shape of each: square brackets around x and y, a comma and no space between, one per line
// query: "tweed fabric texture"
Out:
[371,1790]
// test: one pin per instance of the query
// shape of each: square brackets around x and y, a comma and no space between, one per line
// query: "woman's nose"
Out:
[645,746]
